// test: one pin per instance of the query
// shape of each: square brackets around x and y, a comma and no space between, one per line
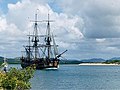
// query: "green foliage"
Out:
[21,85]
[113,62]
[16,79]
[9,83]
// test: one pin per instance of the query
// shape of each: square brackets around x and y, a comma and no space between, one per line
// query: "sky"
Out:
[86,28]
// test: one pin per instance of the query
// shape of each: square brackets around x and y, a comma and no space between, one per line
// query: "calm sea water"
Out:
[75,77]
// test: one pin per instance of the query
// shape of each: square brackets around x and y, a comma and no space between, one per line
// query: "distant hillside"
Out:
[93,60]
[112,61]
[10,60]
[17,61]
[1,59]
[115,58]
[13,60]
[70,62]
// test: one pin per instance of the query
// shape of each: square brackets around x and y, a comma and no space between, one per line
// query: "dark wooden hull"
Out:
[40,64]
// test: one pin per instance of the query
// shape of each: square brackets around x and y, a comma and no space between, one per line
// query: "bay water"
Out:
[75,77]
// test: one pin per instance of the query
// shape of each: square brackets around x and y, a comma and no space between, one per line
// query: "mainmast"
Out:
[48,37]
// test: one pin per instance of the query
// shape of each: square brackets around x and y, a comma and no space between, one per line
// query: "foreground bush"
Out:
[16,79]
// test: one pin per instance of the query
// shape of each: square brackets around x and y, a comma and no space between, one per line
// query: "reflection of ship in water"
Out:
[42,55]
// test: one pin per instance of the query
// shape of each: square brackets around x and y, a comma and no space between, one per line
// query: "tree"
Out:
[16,79]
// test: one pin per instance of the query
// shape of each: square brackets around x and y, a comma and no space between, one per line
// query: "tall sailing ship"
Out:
[41,55]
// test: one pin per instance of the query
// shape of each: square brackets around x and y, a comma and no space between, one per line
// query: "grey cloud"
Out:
[101,17]
[102,24]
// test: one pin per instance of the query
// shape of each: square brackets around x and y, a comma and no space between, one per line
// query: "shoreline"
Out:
[97,64]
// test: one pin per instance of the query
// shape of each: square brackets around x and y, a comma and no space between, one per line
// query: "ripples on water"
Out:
[74,77]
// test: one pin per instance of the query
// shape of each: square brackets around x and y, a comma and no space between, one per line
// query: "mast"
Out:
[29,50]
[36,39]
[48,37]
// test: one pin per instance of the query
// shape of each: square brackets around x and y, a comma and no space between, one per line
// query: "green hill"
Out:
[70,62]
[10,60]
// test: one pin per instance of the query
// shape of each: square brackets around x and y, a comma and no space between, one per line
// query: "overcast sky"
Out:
[87,28]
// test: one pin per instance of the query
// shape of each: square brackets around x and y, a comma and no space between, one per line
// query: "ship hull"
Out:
[40,64]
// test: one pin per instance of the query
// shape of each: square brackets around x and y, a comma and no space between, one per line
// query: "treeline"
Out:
[10,60]
[70,62]
[112,62]
[62,61]
[17,61]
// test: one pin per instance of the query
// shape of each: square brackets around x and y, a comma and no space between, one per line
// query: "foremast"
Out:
[36,39]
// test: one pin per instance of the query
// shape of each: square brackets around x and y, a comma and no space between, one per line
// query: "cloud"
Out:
[8,29]
[87,28]
[101,40]
[15,25]
[101,17]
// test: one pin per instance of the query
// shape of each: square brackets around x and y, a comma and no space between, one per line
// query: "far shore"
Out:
[97,64]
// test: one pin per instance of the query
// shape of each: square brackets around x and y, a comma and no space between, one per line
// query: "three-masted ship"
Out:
[41,54]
